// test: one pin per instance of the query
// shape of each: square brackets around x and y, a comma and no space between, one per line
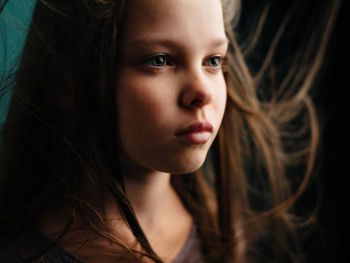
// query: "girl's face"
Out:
[171,93]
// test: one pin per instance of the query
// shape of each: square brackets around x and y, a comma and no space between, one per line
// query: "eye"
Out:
[157,61]
[214,62]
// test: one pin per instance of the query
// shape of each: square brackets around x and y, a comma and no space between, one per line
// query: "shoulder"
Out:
[31,246]
[54,255]
[58,255]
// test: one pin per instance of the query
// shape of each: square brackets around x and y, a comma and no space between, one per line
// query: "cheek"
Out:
[220,100]
[136,105]
[143,106]
[145,110]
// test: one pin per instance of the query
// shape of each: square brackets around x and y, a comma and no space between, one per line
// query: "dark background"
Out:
[332,81]
[323,244]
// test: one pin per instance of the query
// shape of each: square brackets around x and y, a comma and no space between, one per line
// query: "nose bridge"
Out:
[197,90]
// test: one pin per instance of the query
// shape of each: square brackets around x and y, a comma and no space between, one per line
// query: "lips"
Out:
[196,133]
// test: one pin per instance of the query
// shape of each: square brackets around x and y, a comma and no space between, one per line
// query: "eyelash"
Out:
[166,61]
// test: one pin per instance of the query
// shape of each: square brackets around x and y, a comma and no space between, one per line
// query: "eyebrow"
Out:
[146,42]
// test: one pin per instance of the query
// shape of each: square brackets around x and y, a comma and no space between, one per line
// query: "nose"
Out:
[197,91]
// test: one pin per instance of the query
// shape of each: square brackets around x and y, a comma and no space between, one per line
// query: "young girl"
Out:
[114,107]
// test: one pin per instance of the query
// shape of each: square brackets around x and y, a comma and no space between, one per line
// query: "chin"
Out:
[186,165]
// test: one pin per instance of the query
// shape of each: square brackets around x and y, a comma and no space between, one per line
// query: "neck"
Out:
[159,210]
[149,194]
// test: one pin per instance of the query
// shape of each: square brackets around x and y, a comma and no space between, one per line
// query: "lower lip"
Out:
[195,137]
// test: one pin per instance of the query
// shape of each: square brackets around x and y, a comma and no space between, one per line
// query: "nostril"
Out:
[197,102]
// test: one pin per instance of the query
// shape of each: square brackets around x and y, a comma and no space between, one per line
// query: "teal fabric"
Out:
[14,23]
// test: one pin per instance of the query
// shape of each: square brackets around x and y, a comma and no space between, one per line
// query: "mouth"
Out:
[196,133]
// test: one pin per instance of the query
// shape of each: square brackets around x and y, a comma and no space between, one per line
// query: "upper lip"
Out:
[196,127]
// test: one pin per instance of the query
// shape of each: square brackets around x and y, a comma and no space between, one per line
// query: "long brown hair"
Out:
[58,141]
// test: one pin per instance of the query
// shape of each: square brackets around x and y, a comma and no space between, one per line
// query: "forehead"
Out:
[190,20]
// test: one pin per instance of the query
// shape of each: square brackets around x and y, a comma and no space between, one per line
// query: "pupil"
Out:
[159,60]
[214,61]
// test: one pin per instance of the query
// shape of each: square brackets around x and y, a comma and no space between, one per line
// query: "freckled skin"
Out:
[154,102]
